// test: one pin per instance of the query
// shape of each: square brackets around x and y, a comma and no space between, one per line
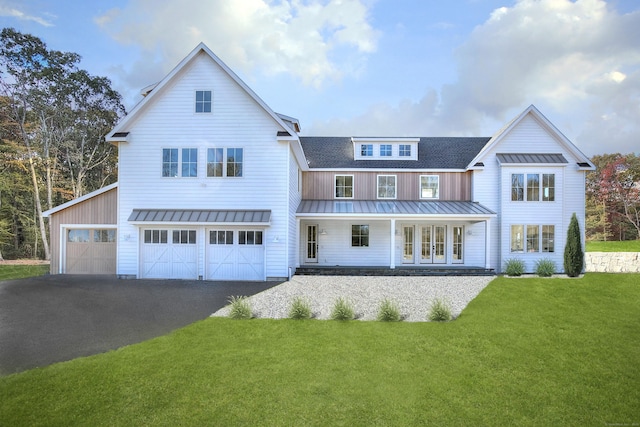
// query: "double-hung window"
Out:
[170,162]
[224,162]
[539,187]
[548,187]
[203,101]
[186,157]
[359,235]
[517,187]
[234,161]
[344,187]
[533,187]
[189,162]
[429,186]
[386,186]
[532,238]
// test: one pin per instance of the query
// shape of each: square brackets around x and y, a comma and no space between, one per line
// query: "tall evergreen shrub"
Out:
[573,254]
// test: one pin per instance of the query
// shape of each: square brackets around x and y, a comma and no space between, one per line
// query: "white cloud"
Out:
[574,59]
[18,14]
[315,41]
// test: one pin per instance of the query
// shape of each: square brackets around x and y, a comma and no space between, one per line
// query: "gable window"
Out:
[203,101]
[215,162]
[404,150]
[517,187]
[234,161]
[386,186]
[533,187]
[548,187]
[359,235]
[429,186]
[366,150]
[189,162]
[170,162]
[385,150]
[344,187]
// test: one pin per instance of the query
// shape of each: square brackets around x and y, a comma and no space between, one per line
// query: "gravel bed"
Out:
[413,295]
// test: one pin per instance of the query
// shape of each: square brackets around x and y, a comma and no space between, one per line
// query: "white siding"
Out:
[236,121]
[295,196]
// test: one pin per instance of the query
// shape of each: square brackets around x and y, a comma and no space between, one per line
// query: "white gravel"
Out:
[413,295]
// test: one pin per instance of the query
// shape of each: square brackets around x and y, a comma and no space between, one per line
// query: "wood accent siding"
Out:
[101,209]
[320,185]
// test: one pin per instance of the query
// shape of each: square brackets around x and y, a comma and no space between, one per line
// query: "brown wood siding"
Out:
[101,209]
[320,185]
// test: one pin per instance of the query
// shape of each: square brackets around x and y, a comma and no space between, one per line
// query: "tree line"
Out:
[54,116]
[53,119]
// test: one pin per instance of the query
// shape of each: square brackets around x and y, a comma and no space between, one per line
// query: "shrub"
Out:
[342,310]
[514,267]
[240,308]
[439,311]
[388,311]
[545,267]
[573,254]
[300,309]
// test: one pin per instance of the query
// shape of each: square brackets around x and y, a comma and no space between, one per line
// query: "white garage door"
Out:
[169,254]
[90,251]
[235,254]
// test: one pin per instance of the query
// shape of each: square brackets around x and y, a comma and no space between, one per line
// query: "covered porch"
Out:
[413,237]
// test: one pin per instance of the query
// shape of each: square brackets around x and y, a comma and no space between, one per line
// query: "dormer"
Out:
[385,148]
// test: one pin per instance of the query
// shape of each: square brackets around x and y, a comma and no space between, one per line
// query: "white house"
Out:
[214,185]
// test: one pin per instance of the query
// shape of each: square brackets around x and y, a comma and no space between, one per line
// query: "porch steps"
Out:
[398,271]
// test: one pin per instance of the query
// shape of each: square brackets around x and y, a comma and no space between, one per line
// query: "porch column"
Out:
[487,243]
[392,251]
[298,236]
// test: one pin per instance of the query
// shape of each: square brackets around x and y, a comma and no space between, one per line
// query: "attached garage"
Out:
[83,233]
[235,254]
[169,254]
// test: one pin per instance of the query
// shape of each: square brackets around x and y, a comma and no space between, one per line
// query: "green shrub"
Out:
[300,309]
[240,308]
[439,311]
[514,267]
[573,254]
[545,267]
[342,310]
[388,311]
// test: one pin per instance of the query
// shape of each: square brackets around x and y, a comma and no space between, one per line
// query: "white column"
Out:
[487,244]
[298,237]
[392,249]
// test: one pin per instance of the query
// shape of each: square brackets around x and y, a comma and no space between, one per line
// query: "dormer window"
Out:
[203,101]
[385,150]
[404,150]
[366,150]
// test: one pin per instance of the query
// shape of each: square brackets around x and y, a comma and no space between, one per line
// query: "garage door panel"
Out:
[169,254]
[227,259]
[90,256]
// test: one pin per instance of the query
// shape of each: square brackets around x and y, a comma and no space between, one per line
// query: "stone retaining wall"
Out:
[612,262]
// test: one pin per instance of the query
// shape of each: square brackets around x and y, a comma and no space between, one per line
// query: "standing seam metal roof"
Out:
[399,207]
[200,216]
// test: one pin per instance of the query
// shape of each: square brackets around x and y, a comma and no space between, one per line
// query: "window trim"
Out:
[335,186]
[437,196]
[395,186]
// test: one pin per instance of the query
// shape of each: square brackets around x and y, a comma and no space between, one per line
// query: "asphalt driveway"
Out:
[53,318]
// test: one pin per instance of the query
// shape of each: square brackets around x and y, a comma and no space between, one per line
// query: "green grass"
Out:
[10,272]
[624,246]
[526,351]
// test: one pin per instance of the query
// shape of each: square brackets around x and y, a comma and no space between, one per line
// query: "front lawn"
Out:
[12,271]
[613,246]
[526,351]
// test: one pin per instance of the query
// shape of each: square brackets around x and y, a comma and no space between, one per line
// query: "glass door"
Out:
[408,242]
[426,253]
[439,244]
[311,255]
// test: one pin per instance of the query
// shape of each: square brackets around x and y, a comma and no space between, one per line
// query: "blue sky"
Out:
[378,67]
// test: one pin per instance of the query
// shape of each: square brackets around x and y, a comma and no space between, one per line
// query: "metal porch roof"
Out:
[201,216]
[394,207]
[531,158]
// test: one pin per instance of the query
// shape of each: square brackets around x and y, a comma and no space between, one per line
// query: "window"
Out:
[234,161]
[203,101]
[359,235]
[458,235]
[184,236]
[429,186]
[155,236]
[104,236]
[189,162]
[386,186]
[344,186]
[533,238]
[215,162]
[548,187]
[250,237]
[405,150]
[366,150]
[517,187]
[385,150]
[78,236]
[533,187]
[517,238]
[548,232]
[221,237]
[170,162]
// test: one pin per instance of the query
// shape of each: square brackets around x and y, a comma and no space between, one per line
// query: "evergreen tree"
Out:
[573,254]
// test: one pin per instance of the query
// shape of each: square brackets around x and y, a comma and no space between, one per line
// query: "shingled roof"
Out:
[433,153]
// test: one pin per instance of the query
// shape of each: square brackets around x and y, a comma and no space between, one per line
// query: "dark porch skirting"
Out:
[314,270]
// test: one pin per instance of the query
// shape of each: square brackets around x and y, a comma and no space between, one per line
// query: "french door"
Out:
[431,241]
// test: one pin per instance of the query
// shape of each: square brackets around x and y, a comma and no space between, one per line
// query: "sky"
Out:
[378,67]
